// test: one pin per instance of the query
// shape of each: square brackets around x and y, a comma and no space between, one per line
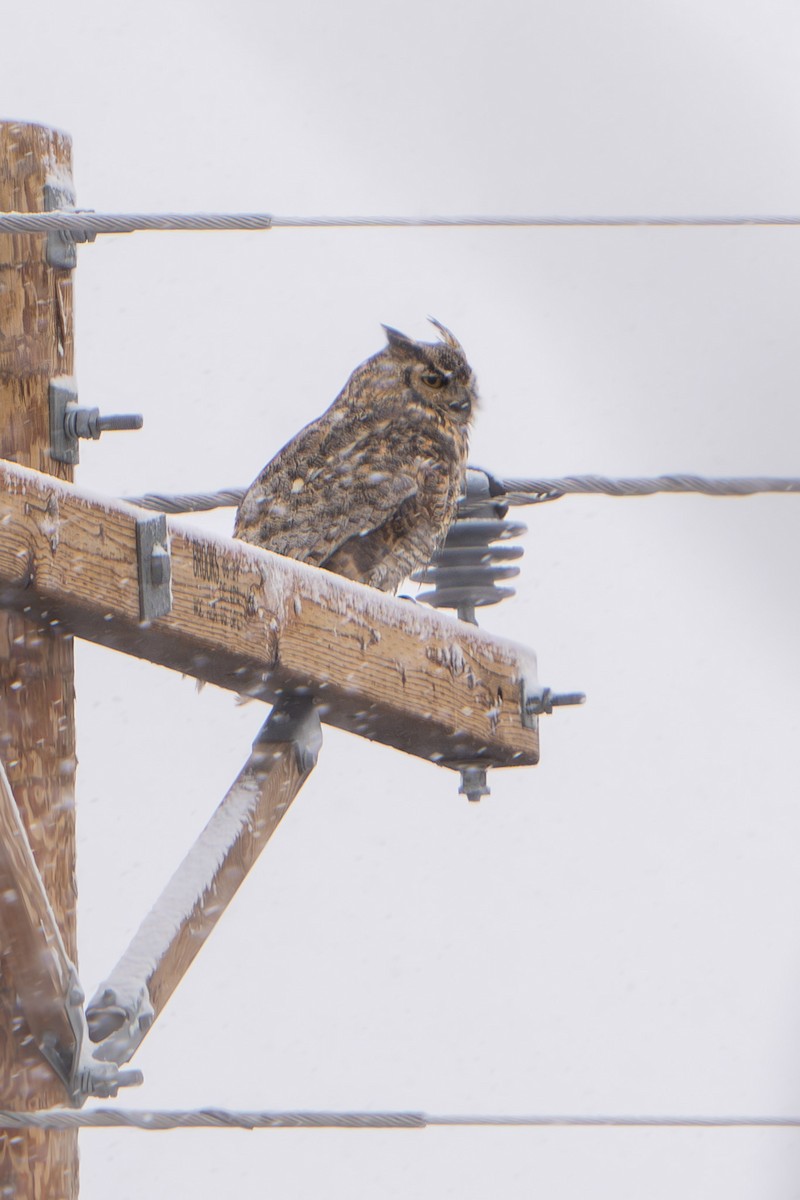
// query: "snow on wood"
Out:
[36,684]
[128,1001]
[263,625]
[42,974]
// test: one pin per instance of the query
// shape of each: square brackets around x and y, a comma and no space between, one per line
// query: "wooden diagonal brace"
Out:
[126,1004]
[44,978]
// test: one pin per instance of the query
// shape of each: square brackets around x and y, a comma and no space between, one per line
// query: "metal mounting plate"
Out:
[60,251]
[63,394]
[155,575]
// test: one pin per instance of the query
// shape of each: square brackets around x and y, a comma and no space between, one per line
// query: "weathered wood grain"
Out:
[263,625]
[37,734]
[31,940]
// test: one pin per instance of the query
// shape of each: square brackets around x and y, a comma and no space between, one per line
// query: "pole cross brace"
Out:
[127,1003]
[45,980]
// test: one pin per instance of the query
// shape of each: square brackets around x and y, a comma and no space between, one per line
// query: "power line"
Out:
[84,225]
[526,491]
[218,1118]
[188,501]
[534,491]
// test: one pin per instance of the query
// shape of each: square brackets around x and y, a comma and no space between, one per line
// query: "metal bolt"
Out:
[130,1078]
[105,1079]
[473,783]
[159,564]
[466,612]
[546,700]
[82,422]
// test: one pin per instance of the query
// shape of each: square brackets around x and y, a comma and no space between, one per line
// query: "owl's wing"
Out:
[336,480]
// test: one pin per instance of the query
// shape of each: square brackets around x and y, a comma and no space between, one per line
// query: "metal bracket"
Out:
[544,700]
[69,421]
[473,783]
[155,567]
[64,1058]
[294,719]
[60,251]
[76,1067]
[102,1079]
[118,1023]
[63,397]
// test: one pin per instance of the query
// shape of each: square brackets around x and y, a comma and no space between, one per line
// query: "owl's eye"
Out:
[433,379]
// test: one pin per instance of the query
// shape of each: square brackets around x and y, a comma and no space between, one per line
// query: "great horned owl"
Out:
[369,489]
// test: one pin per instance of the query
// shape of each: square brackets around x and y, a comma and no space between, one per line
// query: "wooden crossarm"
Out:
[263,625]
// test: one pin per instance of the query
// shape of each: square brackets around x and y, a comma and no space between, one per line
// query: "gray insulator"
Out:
[465,572]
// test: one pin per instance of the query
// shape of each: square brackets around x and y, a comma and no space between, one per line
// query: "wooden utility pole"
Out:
[37,730]
[318,647]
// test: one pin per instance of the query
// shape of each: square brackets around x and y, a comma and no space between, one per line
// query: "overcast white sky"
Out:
[616,929]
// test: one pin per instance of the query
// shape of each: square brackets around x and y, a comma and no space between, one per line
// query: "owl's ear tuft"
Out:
[448,338]
[400,341]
